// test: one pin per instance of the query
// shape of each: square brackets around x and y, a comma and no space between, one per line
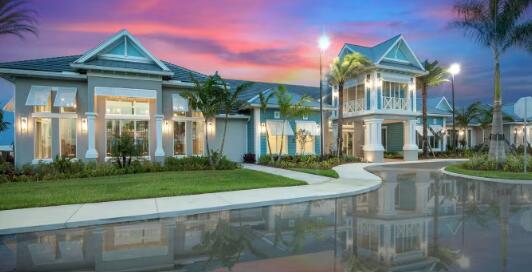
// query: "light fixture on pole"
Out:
[454,69]
[323,44]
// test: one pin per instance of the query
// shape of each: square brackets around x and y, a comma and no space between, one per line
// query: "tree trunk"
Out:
[339,139]
[282,143]
[424,142]
[498,146]
[223,138]
[268,142]
[211,163]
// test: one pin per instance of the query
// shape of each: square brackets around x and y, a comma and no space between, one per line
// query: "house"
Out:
[76,106]
[382,98]
[439,111]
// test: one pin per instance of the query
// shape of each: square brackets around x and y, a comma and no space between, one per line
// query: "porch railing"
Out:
[395,103]
[354,105]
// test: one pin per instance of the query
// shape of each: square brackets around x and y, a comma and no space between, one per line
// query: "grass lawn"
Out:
[456,168]
[135,186]
[321,172]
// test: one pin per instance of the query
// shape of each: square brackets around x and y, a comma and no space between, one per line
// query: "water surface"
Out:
[419,220]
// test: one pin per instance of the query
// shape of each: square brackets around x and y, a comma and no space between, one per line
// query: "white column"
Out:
[444,135]
[386,194]
[410,148]
[91,153]
[256,119]
[422,191]
[414,95]
[373,149]
[159,152]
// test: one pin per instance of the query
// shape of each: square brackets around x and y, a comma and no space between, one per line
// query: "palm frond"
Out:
[16,19]
[520,36]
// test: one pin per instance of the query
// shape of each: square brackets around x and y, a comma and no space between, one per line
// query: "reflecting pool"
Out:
[419,220]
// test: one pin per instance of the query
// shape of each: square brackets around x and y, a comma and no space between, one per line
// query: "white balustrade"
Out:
[395,103]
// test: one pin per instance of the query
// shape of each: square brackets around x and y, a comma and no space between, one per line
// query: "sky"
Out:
[270,40]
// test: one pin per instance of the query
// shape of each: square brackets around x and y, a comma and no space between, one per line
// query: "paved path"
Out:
[353,180]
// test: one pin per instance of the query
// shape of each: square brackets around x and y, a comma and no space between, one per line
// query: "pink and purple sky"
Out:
[270,40]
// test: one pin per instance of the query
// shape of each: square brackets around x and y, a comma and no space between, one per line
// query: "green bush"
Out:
[306,161]
[62,168]
[513,163]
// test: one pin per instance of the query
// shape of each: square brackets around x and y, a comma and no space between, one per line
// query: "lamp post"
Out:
[454,69]
[323,43]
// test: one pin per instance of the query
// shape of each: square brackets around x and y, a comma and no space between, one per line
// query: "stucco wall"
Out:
[25,141]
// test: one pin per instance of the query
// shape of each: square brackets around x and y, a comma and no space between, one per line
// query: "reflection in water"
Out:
[419,220]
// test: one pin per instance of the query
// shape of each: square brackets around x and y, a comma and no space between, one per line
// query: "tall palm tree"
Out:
[465,116]
[498,25]
[206,96]
[341,71]
[16,18]
[3,124]
[434,77]
[230,101]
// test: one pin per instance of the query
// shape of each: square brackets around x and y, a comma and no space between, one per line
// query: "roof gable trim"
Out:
[394,45]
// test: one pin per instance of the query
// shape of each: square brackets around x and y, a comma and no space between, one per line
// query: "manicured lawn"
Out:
[135,186]
[489,174]
[321,172]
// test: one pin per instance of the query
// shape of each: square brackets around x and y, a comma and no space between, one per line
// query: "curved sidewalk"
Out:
[353,180]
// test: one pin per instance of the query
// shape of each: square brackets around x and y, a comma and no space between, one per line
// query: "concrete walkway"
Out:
[353,180]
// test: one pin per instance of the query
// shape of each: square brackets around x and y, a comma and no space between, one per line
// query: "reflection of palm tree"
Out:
[504,192]
[227,242]
[302,226]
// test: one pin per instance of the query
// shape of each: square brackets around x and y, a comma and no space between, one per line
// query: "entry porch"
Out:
[369,137]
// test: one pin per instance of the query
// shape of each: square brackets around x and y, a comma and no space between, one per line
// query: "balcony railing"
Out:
[395,103]
[354,105]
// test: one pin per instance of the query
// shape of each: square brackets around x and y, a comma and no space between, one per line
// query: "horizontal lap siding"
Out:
[395,137]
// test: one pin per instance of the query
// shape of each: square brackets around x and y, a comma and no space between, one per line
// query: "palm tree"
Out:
[434,77]
[498,25]
[16,19]
[485,118]
[3,124]
[289,111]
[341,71]
[230,101]
[465,116]
[206,96]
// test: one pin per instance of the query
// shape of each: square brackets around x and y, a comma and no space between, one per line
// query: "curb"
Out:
[506,181]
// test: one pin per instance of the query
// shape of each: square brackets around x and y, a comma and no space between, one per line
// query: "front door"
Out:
[348,146]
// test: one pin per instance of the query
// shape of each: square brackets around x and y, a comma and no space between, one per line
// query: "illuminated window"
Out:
[67,137]
[179,138]
[276,142]
[127,107]
[138,129]
[43,138]
[44,108]
[198,136]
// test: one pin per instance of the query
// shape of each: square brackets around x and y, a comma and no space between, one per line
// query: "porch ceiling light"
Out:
[324,42]
[454,69]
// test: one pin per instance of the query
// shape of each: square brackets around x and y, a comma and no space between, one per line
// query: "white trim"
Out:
[127,92]
[187,118]
[123,33]
[257,130]
[447,102]
[401,38]
[397,60]
[418,72]
[124,58]
[110,116]
[54,115]
[177,83]
[35,161]
[119,69]
[63,75]
[76,129]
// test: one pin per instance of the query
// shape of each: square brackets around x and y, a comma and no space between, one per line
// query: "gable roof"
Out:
[104,56]
[378,53]
[435,105]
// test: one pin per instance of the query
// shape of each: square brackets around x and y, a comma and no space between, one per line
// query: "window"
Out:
[127,107]
[276,114]
[198,136]
[394,89]
[179,138]
[67,137]
[43,138]
[139,130]
[304,139]
[44,108]
[276,142]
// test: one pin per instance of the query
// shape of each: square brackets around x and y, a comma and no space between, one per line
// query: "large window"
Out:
[44,108]
[179,138]
[394,89]
[304,140]
[127,107]
[139,130]
[43,138]
[198,136]
[67,137]
[275,144]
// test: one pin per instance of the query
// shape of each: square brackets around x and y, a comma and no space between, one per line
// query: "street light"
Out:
[454,69]
[323,44]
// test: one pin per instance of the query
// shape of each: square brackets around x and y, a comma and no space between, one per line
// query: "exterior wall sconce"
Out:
[84,125]
[263,128]
[166,126]
[210,128]
[515,130]
[23,124]
[461,132]
[318,129]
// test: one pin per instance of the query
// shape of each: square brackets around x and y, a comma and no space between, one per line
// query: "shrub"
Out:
[306,161]
[249,158]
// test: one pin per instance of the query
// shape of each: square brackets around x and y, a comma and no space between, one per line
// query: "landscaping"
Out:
[310,164]
[482,165]
[134,186]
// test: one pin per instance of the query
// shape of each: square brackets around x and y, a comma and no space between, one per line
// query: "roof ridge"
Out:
[371,47]
[181,67]
[284,84]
